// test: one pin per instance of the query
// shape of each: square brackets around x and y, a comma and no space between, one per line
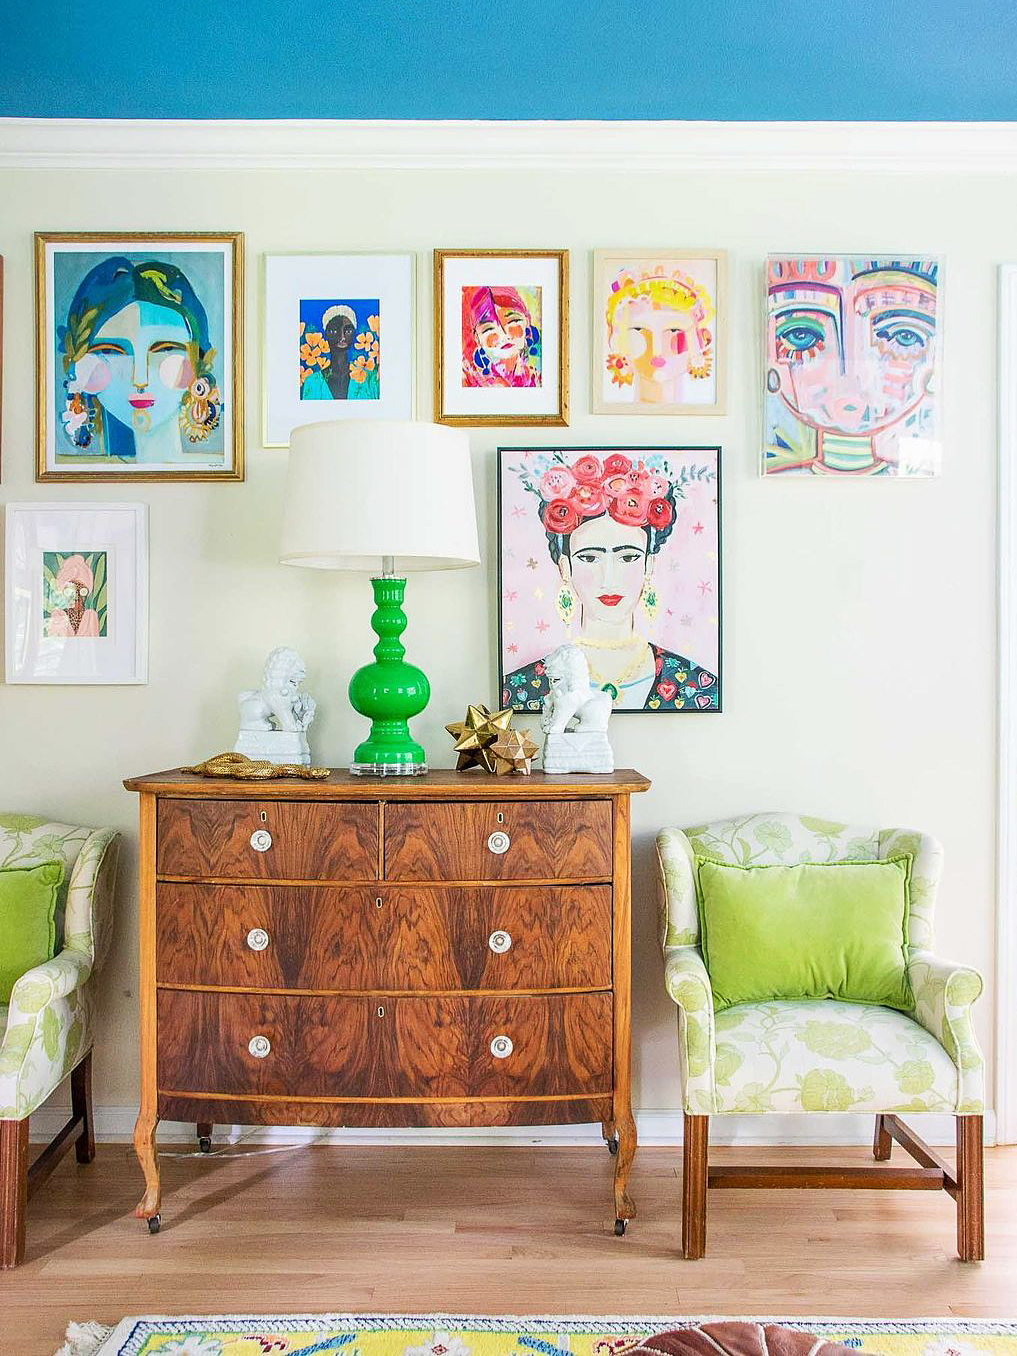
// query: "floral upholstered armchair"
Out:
[822,1055]
[47,1027]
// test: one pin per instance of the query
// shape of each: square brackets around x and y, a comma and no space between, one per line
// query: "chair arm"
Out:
[55,978]
[944,994]
[48,1030]
[688,982]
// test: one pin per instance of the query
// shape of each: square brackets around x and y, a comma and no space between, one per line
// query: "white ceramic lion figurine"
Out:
[274,718]
[570,697]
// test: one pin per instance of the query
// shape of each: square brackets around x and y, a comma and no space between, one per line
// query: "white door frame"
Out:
[1006,915]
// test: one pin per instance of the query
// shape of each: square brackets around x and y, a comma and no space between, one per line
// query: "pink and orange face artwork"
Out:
[851,361]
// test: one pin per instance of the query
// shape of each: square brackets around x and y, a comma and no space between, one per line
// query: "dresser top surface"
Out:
[440,784]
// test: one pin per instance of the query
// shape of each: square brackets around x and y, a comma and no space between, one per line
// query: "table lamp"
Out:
[389,497]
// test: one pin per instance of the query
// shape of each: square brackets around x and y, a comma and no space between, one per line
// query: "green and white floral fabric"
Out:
[47,1028]
[821,1055]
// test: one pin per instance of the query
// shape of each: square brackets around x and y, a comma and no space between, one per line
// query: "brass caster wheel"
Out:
[153,1223]
[612,1144]
[620,1225]
[205,1144]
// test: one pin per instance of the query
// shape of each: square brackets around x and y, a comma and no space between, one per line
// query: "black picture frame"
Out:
[603,450]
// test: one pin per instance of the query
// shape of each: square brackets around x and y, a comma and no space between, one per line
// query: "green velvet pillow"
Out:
[830,930]
[28,903]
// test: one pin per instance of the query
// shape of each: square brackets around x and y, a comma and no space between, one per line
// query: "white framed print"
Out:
[337,341]
[501,337]
[76,593]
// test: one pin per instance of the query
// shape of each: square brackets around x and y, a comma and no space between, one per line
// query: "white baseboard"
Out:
[115,1124]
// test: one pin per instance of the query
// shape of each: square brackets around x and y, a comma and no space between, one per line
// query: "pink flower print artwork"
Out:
[75,594]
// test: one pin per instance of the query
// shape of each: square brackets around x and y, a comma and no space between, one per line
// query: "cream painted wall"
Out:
[859,617]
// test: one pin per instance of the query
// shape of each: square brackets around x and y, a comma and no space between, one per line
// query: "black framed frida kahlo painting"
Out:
[618,551]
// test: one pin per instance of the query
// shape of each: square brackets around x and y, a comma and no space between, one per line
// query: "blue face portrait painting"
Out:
[138,364]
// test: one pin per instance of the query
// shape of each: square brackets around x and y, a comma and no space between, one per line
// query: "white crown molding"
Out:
[898,148]
[115,1125]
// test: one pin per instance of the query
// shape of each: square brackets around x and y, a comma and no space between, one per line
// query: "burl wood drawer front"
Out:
[510,840]
[389,937]
[464,1046]
[277,840]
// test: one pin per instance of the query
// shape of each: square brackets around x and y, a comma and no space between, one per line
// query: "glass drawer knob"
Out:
[499,942]
[257,939]
[260,1046]
[261,840]
[499,842]
[501,1047]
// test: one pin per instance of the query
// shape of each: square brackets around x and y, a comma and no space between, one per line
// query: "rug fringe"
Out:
[83,1339]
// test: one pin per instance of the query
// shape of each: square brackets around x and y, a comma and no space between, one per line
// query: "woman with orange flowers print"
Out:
[501,336]
[340,350]
[606,523]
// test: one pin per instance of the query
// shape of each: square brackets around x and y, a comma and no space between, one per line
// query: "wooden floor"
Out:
[486,1231]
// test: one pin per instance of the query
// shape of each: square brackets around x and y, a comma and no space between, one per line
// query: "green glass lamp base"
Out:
[389,692]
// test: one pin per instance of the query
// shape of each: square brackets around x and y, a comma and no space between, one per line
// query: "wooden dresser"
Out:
[443,950]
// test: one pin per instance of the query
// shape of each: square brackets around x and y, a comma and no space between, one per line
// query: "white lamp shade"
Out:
[358,491]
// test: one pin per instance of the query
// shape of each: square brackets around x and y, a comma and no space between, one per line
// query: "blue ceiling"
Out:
[758,60]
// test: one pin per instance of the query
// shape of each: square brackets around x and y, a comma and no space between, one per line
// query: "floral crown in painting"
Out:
[633,494]
[661,288]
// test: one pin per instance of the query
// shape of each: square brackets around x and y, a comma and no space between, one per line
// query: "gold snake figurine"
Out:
[249,769]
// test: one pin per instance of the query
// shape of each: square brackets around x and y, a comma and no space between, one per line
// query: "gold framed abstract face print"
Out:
[140,356]
[501,337]
[659,322]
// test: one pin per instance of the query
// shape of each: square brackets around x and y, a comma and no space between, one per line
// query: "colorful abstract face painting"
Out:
[74,593]
[852,358]
[340,349]
[656,333]
[501,336]
[140,374]
[617,551]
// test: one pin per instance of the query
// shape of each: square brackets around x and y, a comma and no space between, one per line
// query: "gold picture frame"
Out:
[519,405]
[203,411]
[704,268]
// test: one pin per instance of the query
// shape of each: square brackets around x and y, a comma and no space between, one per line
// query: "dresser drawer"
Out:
[464,1046]
[510,840]
[386,937]
[274,840]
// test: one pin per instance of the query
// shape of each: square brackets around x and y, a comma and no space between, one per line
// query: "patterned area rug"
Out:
[464,1335]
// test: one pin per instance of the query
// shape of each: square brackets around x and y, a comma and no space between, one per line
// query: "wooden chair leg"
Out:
[81,1105]
[13,1192]
[695,1160]
[882,1143]
[970,1190]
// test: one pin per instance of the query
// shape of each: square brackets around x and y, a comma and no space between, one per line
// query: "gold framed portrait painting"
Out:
[501,337]
[659,331]
[140,356]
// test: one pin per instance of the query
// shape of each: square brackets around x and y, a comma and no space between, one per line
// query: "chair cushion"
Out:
[28,901]
[808,930]
[824,1055]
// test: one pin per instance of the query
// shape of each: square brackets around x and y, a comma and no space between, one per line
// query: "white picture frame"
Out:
[339,287]
[76,593]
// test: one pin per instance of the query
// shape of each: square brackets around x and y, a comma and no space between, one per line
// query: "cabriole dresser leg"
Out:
[144,1147]
[624,1209]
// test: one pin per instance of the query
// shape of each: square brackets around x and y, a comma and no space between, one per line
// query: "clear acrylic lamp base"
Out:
[387,769]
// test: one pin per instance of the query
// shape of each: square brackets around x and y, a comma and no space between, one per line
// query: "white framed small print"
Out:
[337,341]
[76,593]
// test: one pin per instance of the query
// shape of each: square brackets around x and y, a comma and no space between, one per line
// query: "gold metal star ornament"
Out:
[475,735]
[513,751]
